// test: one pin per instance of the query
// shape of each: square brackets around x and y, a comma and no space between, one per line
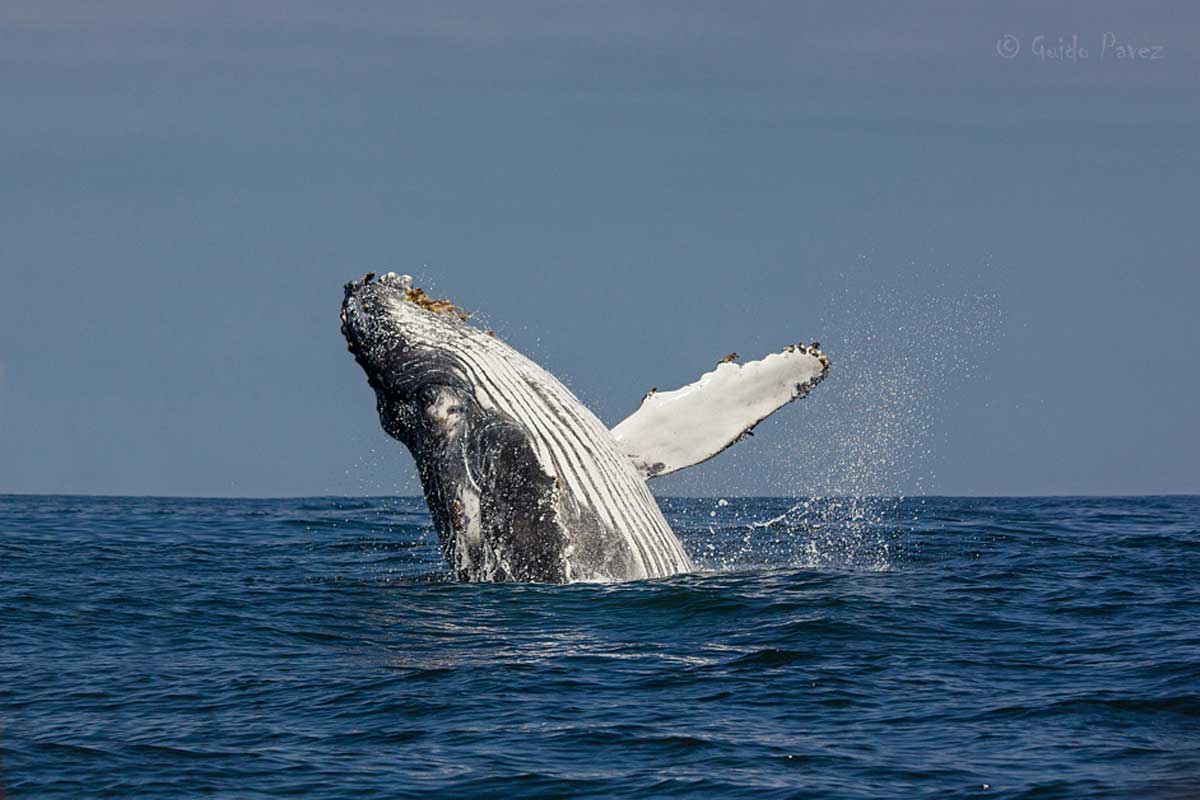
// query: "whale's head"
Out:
[493,503]
[399,335]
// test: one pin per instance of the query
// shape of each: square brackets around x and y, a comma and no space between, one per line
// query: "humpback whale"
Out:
[523,482]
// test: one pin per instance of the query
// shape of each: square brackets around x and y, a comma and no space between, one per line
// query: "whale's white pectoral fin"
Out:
[673,430]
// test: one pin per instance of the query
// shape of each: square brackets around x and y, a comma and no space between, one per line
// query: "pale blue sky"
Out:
[999,255]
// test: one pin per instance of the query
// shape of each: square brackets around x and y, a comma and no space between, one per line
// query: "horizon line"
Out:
[897,496]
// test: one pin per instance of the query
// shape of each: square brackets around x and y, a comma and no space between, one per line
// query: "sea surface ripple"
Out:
[833,648]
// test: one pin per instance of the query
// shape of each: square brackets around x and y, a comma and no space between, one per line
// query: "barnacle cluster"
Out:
[813,349]
[418,296]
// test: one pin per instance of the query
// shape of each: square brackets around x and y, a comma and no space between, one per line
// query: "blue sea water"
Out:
[831,648]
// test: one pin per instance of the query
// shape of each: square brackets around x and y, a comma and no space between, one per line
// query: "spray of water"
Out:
[899,359]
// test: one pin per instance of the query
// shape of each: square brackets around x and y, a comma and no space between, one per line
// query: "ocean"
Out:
[827,648]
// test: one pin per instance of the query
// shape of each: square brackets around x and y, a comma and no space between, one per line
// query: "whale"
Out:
[523,482]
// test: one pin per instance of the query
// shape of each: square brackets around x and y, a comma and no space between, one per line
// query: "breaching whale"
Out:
[523,482]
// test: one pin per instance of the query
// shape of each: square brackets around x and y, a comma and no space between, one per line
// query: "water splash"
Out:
[868,436]
[836,532]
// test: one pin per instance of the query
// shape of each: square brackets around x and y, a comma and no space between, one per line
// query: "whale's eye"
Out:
[445,408]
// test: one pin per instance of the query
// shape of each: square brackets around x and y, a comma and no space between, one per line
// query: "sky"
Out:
[985,213]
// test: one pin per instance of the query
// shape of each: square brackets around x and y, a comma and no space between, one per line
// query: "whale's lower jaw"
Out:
[523,482]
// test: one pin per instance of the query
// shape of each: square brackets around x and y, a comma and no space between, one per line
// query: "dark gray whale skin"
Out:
[458,442]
